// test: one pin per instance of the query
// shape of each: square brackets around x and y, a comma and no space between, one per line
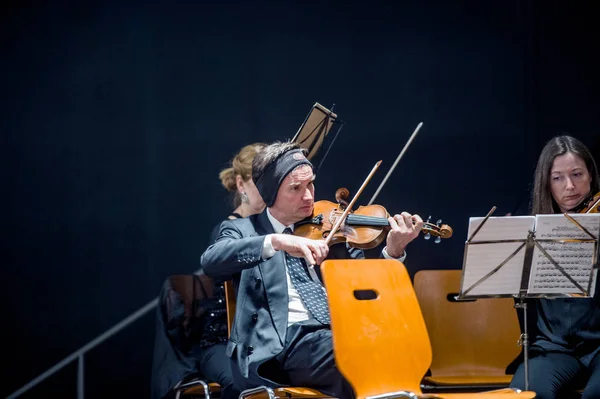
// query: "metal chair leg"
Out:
[193,384]
[252,391]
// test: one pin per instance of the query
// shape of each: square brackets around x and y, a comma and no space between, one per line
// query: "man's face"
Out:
[295,197]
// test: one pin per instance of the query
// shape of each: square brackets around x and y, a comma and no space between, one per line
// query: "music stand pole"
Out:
[524,340]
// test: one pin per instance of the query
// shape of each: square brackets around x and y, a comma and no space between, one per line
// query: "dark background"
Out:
[117,117]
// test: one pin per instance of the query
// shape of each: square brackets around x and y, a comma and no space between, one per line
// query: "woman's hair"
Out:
[241,164]
[542,201]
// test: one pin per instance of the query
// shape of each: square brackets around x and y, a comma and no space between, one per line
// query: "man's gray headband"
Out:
[271,178]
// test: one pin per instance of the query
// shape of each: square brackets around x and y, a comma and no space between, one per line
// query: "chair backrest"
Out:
[192,290]
[474,338]
[230,300]
[381,344]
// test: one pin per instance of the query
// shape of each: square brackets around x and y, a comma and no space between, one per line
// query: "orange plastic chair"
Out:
[473,342]
[379,335]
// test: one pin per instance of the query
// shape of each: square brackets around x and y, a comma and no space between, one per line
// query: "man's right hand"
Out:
[313,251]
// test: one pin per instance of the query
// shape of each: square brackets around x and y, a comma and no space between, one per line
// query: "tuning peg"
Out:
[428,235]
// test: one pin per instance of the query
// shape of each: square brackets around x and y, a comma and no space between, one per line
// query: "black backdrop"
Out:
[117,117]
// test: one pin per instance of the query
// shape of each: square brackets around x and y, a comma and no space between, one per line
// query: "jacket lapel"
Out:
[274,280]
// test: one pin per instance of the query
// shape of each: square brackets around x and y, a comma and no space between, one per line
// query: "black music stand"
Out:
[314,130]
[527,269]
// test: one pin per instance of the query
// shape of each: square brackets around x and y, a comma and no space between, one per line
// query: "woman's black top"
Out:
[215,323]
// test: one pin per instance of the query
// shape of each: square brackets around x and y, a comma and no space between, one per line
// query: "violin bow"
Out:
[341,219]
[396,162]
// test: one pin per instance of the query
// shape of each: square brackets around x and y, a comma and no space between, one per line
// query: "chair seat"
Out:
[282,393]
[498,394]
[199,389]
[302,392]
[469,380]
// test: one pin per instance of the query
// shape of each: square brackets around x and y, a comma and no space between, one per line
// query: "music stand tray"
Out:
[314,130]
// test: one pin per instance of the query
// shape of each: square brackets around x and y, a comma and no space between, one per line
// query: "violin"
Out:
[591,205]
[364,228]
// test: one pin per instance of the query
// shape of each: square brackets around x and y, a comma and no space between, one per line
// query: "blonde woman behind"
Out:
[201,350]
[237,179]
[210,355]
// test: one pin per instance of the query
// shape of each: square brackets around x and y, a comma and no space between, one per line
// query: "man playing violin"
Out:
[281,335]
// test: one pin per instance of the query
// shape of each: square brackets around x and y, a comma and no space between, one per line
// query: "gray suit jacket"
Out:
[260,325]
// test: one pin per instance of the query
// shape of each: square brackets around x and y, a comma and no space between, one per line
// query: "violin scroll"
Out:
[341,196]
[437,230]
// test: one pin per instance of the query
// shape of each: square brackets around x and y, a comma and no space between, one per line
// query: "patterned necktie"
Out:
[310,291]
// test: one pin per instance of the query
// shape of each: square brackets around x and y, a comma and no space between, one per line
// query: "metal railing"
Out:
[79,354]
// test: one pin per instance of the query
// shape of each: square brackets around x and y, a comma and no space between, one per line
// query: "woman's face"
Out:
[570,181]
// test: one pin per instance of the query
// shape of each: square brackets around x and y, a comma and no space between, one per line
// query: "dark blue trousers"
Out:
[308,361]
[553,375]
[215,366]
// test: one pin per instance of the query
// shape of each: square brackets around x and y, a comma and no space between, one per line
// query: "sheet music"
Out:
[482,258]
[576,258]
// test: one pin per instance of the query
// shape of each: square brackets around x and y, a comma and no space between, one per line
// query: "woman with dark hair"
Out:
[565,353]
[551,194]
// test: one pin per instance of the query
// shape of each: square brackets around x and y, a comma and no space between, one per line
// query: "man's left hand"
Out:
[404,228]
